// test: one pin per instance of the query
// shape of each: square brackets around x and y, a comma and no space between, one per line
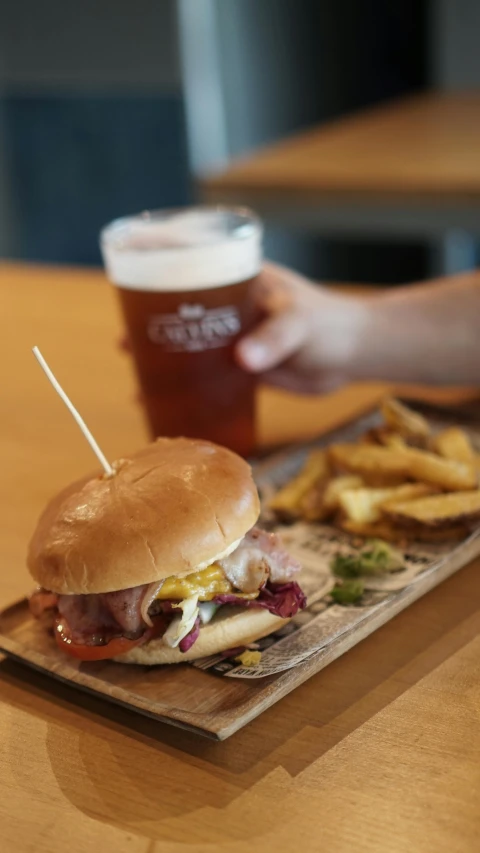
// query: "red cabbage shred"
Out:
[187,642]
[281,599]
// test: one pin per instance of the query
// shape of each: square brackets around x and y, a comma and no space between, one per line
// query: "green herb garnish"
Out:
[379,556]
[375,558]
[346,565]
[348,592]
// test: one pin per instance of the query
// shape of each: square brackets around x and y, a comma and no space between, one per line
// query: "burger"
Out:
[161,562]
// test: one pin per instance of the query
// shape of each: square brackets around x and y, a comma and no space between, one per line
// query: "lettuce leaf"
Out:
[182,625]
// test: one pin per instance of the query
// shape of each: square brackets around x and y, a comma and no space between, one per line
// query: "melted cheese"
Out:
[248,658]
[206,584]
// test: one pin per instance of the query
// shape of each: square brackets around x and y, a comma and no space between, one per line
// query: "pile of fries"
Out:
[398,482]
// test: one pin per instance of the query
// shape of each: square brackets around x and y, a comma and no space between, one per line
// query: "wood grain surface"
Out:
[379,752]
[423,146]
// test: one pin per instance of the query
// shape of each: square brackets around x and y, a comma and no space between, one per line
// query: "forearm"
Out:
[426,333]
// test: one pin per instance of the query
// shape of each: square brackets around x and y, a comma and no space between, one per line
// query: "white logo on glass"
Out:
[194,328]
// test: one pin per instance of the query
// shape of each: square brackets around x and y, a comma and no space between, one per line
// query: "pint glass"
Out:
[184,279]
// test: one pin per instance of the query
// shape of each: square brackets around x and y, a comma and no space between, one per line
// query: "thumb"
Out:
[273,341]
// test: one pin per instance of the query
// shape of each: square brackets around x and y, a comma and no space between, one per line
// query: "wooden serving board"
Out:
[206,702]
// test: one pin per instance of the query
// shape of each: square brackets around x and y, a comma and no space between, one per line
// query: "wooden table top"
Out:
[419,148]
[379,752]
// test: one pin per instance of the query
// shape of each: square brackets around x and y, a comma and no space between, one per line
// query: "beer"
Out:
[185,281]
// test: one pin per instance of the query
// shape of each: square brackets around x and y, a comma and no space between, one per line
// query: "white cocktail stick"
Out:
[81,423]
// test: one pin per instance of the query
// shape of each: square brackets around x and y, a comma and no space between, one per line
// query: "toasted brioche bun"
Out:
[229,628]
[172,508]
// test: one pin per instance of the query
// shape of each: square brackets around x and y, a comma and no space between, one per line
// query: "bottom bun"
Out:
[238,627]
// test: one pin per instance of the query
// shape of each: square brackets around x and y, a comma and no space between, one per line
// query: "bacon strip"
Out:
[258,562]
[149,597]
[260,556]
[125,607]
[89,620]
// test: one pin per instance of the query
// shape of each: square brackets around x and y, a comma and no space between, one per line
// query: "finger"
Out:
[273,288]
[274,340]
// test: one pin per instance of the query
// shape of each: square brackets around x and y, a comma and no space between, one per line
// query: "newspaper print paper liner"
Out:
[315,545]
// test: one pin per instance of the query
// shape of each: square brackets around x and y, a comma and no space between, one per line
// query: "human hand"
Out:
[307,342]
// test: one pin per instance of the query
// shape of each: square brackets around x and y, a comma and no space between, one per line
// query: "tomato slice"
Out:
[116,646]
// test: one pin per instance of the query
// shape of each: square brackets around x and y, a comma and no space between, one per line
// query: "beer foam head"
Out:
[194,249]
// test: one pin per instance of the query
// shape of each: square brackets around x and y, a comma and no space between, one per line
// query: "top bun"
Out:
[171,509]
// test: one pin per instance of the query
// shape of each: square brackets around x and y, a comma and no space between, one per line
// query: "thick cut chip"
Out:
[335,488]
[365,505]
[403,420]
[391,532]
[385,530]
[286,502]
[387,465]
[384,436]
[393,439]
[370,436]
[437,510]
[448,474]
[454,443]
[409,492]
[377,465]
[311,505]
[447,534]
[323,499]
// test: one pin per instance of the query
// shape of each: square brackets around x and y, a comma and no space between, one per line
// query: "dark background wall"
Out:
[91,120]
[92,110]
[285,65]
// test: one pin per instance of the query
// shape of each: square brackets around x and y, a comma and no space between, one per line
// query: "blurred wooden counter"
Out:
[380,752]
[407,167]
